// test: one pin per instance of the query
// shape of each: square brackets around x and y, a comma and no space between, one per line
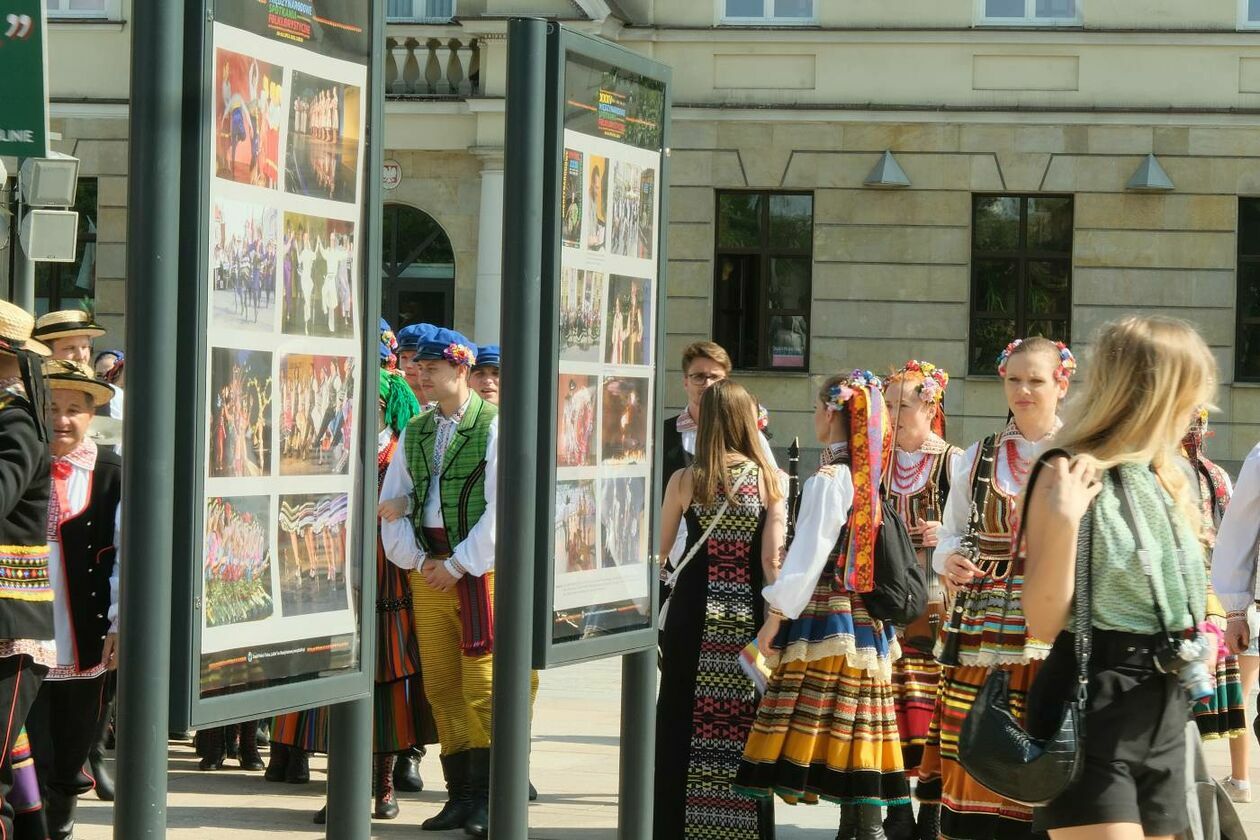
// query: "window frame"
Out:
[112,12]
[1241,320]
[1245,23]
[1022,256]
[1030,19]
[766,19]
[430,19]
[765,253]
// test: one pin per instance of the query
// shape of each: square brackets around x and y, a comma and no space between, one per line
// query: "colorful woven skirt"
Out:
[827,725]
[970,811]
[1223,715]
[916,681]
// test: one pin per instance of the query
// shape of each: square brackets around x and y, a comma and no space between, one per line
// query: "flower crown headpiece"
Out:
[843,391]
[1067,362]
[460,354]
[935,380]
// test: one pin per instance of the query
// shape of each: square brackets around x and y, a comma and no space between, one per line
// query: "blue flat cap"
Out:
[412,336]
[488,354]
[449,345]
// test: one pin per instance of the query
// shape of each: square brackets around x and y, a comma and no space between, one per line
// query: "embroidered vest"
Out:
[88,557]
[463,478]
[25,593]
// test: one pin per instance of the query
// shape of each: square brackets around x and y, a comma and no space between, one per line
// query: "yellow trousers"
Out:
[458,687]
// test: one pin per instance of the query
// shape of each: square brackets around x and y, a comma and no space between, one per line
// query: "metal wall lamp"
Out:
[1150,177]
[887,174]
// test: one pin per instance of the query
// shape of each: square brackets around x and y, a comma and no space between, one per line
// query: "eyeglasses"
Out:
[705,378]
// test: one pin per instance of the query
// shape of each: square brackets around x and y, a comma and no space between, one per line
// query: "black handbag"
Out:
[900,593]
[994,748]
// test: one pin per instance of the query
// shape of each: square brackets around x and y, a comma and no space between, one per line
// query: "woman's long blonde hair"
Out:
[728,425]
[1147,376]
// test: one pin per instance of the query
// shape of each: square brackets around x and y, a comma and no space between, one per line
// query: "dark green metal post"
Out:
[23,266]
[638,747]
[350,724]
[153,271]
[518,425]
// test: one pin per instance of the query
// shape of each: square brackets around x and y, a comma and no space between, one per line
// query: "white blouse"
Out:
[1234,557]
[825,502]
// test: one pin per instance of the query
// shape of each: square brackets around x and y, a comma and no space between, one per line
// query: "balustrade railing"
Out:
[431,66]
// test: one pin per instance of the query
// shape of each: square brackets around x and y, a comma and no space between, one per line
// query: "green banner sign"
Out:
[23,79]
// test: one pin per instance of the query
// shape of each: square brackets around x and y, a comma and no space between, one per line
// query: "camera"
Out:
[1187,659]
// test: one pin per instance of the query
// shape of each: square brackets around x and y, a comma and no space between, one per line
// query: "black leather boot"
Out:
[848,823]
[929,824]
[248,752]
[478,822]
[407,770]
[899,823]
[459,804]
[103,780]
[59,812]
[210,746]
[870,822]
[277,763]
[384,801]
[231,739]
[299,770]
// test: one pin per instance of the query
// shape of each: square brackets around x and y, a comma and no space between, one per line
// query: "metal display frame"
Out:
[188,709]
[561,44]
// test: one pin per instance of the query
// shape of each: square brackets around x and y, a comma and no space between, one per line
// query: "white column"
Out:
[489,251]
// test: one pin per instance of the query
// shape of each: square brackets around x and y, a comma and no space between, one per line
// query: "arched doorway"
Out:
[418,269]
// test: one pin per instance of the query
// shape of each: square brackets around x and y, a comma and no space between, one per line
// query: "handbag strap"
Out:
[704,537]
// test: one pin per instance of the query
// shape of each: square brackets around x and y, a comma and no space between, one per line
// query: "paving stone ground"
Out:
[574,768]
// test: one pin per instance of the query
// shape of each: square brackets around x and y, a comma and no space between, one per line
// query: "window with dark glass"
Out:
[1021,273]
[762,278]
[72,285]
[418,268]
[1247,340]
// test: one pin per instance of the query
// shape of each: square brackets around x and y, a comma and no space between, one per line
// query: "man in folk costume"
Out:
[409,339]
[26,598]
[438,522]
[83,517]
[68,333]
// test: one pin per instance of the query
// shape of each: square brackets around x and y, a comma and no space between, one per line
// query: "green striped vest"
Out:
[463,479]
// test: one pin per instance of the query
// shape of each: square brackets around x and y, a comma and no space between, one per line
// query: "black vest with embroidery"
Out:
[88,557]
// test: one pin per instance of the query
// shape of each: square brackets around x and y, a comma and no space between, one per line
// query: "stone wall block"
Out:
[93,128]
[690,241]
[1120,140]
[1022,172]
[1171,140]
[873,281]
[111,260]
[834,355]
[688,279]
[997,139]
[101,157]
[691,204]
[802,136]
[891,207]
[1223,142]
[922,137]
[111,300]
[857,243]
[1039,138]
[690,168]
[694,134]
[1163,249]
[1173,289]
[906,321]
[111,224]
[1137,211]
[985,174]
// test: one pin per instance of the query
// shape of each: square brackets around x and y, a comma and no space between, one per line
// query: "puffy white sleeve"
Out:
[766,448]
[399,537]
[825,502]
[1234,558]
[957,509]
[475,554]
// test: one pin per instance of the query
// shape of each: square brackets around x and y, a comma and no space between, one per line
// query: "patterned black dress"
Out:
[706,704]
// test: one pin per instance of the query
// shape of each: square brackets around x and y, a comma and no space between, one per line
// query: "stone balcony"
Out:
[432,62]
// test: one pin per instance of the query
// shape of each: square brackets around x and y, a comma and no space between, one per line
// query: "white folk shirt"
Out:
[1234,557]
[78,486]
[475,555]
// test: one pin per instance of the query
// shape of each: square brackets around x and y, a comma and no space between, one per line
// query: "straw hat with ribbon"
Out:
[65,323]
[16,326]
[65,375]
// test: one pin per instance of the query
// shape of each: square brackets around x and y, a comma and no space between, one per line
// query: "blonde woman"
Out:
[1147,579]
[735,517]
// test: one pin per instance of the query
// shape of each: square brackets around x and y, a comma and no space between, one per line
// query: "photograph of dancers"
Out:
[324,131]
[575,526]
[623,524]
[625,420]
[625,208]
[596,202]
[647,210]
[581,313]
[312,548]
[240,418]
[575,444]
[628,331]
[243,241]
[248,112]
[237,563]
[571,195]
[317,271]
[316,414]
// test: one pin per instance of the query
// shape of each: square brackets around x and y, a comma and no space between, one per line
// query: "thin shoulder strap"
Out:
[717,517]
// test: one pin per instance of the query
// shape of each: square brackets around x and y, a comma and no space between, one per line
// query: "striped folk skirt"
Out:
[916,679]
[1223,715]
[969,810]
[827,725]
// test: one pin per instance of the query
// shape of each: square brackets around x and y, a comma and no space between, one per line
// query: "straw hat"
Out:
[65,323]
[65,375]
[16,325]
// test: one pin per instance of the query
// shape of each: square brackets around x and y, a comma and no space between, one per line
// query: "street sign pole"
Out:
[152,297]
[23,269]
[518,424]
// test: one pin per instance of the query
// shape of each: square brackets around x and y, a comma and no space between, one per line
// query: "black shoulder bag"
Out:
[993,747]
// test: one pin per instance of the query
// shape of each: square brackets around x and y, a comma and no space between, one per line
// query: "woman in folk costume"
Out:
[985,628]
[1224,714]
[918,484]
[826,727]
[735,517]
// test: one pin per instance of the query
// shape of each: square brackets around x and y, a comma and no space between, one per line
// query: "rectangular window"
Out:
[763,273]
[1028,12]
[420,11]
[71,285]
[105,9]
[777,12]
[1021,273]
[1249,14]
[1247,339]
